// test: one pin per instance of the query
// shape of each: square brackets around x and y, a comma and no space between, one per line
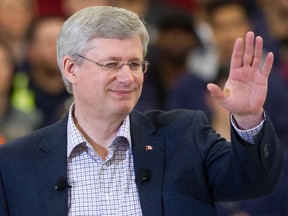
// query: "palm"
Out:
[246,88]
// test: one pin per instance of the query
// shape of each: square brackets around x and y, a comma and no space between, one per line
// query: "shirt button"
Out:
[104,167]
[107,197]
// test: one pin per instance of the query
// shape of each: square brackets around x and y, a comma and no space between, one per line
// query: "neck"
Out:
[99,132]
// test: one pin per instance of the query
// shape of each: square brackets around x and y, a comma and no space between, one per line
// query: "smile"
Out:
[122,92]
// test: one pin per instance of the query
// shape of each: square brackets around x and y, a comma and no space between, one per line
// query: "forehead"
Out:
[131,46]
[49,27]
[229,10]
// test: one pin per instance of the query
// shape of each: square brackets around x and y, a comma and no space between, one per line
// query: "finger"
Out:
[267,66]
[249,49]
[257,53]
[237,54]
[215,90]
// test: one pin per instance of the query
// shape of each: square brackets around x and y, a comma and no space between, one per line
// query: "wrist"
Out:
[246,122]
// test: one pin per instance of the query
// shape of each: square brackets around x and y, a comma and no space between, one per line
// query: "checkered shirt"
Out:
[101,187]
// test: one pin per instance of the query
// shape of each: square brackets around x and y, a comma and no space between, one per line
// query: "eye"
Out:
[135,65]
[111,65]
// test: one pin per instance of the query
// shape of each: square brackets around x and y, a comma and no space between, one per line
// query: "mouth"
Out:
[122,93]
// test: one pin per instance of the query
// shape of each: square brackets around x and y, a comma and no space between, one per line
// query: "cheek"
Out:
[87,85]
[92,85]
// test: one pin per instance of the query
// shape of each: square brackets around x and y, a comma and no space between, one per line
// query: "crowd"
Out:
[191,45]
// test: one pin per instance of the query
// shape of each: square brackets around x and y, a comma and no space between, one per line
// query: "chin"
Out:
[124,109]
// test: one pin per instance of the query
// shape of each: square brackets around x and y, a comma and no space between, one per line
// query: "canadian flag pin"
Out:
[149,148]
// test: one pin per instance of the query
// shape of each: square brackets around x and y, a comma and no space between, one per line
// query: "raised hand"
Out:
[245,90]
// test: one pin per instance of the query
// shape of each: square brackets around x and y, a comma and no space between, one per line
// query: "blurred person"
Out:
[207,52]
[13,123]
[105,158]
[214,19]
[229,20]
[44,76]
[176,37]
[276,17]
[15,19]
[275,25]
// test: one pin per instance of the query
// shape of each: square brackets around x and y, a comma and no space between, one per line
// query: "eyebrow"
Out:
[114,58]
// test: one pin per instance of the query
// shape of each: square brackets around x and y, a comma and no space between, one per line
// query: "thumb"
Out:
[215,91]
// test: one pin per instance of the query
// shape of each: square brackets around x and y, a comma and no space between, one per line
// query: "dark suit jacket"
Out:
[191,167]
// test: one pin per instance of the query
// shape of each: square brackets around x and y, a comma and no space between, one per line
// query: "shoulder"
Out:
[35,139]
[175,117]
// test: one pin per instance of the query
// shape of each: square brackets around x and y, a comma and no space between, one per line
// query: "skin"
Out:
[103,100]
[15,17]
[245,91]
[6,73]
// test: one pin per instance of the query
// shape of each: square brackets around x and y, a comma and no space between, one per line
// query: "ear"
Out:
[70,68]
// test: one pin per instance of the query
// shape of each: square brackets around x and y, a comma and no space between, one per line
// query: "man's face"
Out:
[43,46]
[229,23]
[15,17]
[102,92]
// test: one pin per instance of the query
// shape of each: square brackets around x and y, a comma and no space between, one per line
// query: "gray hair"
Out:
[97,22]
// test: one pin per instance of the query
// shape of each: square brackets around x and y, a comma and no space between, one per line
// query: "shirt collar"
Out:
[75,138]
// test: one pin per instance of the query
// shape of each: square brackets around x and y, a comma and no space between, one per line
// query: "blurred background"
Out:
[191,45]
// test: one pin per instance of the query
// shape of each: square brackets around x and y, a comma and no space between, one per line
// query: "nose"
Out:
[124,74]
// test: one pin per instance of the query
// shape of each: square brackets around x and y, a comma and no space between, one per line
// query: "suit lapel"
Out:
[148,154]
[50,165]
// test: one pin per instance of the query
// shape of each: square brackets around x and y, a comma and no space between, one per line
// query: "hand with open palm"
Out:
[245,91]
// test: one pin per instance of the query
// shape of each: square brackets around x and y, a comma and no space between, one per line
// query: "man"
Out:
[45,79]
[105,158]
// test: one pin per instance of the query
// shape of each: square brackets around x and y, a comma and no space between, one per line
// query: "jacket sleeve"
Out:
[249,171]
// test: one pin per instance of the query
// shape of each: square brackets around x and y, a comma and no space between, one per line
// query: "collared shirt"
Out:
[107,187]
[101,187]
